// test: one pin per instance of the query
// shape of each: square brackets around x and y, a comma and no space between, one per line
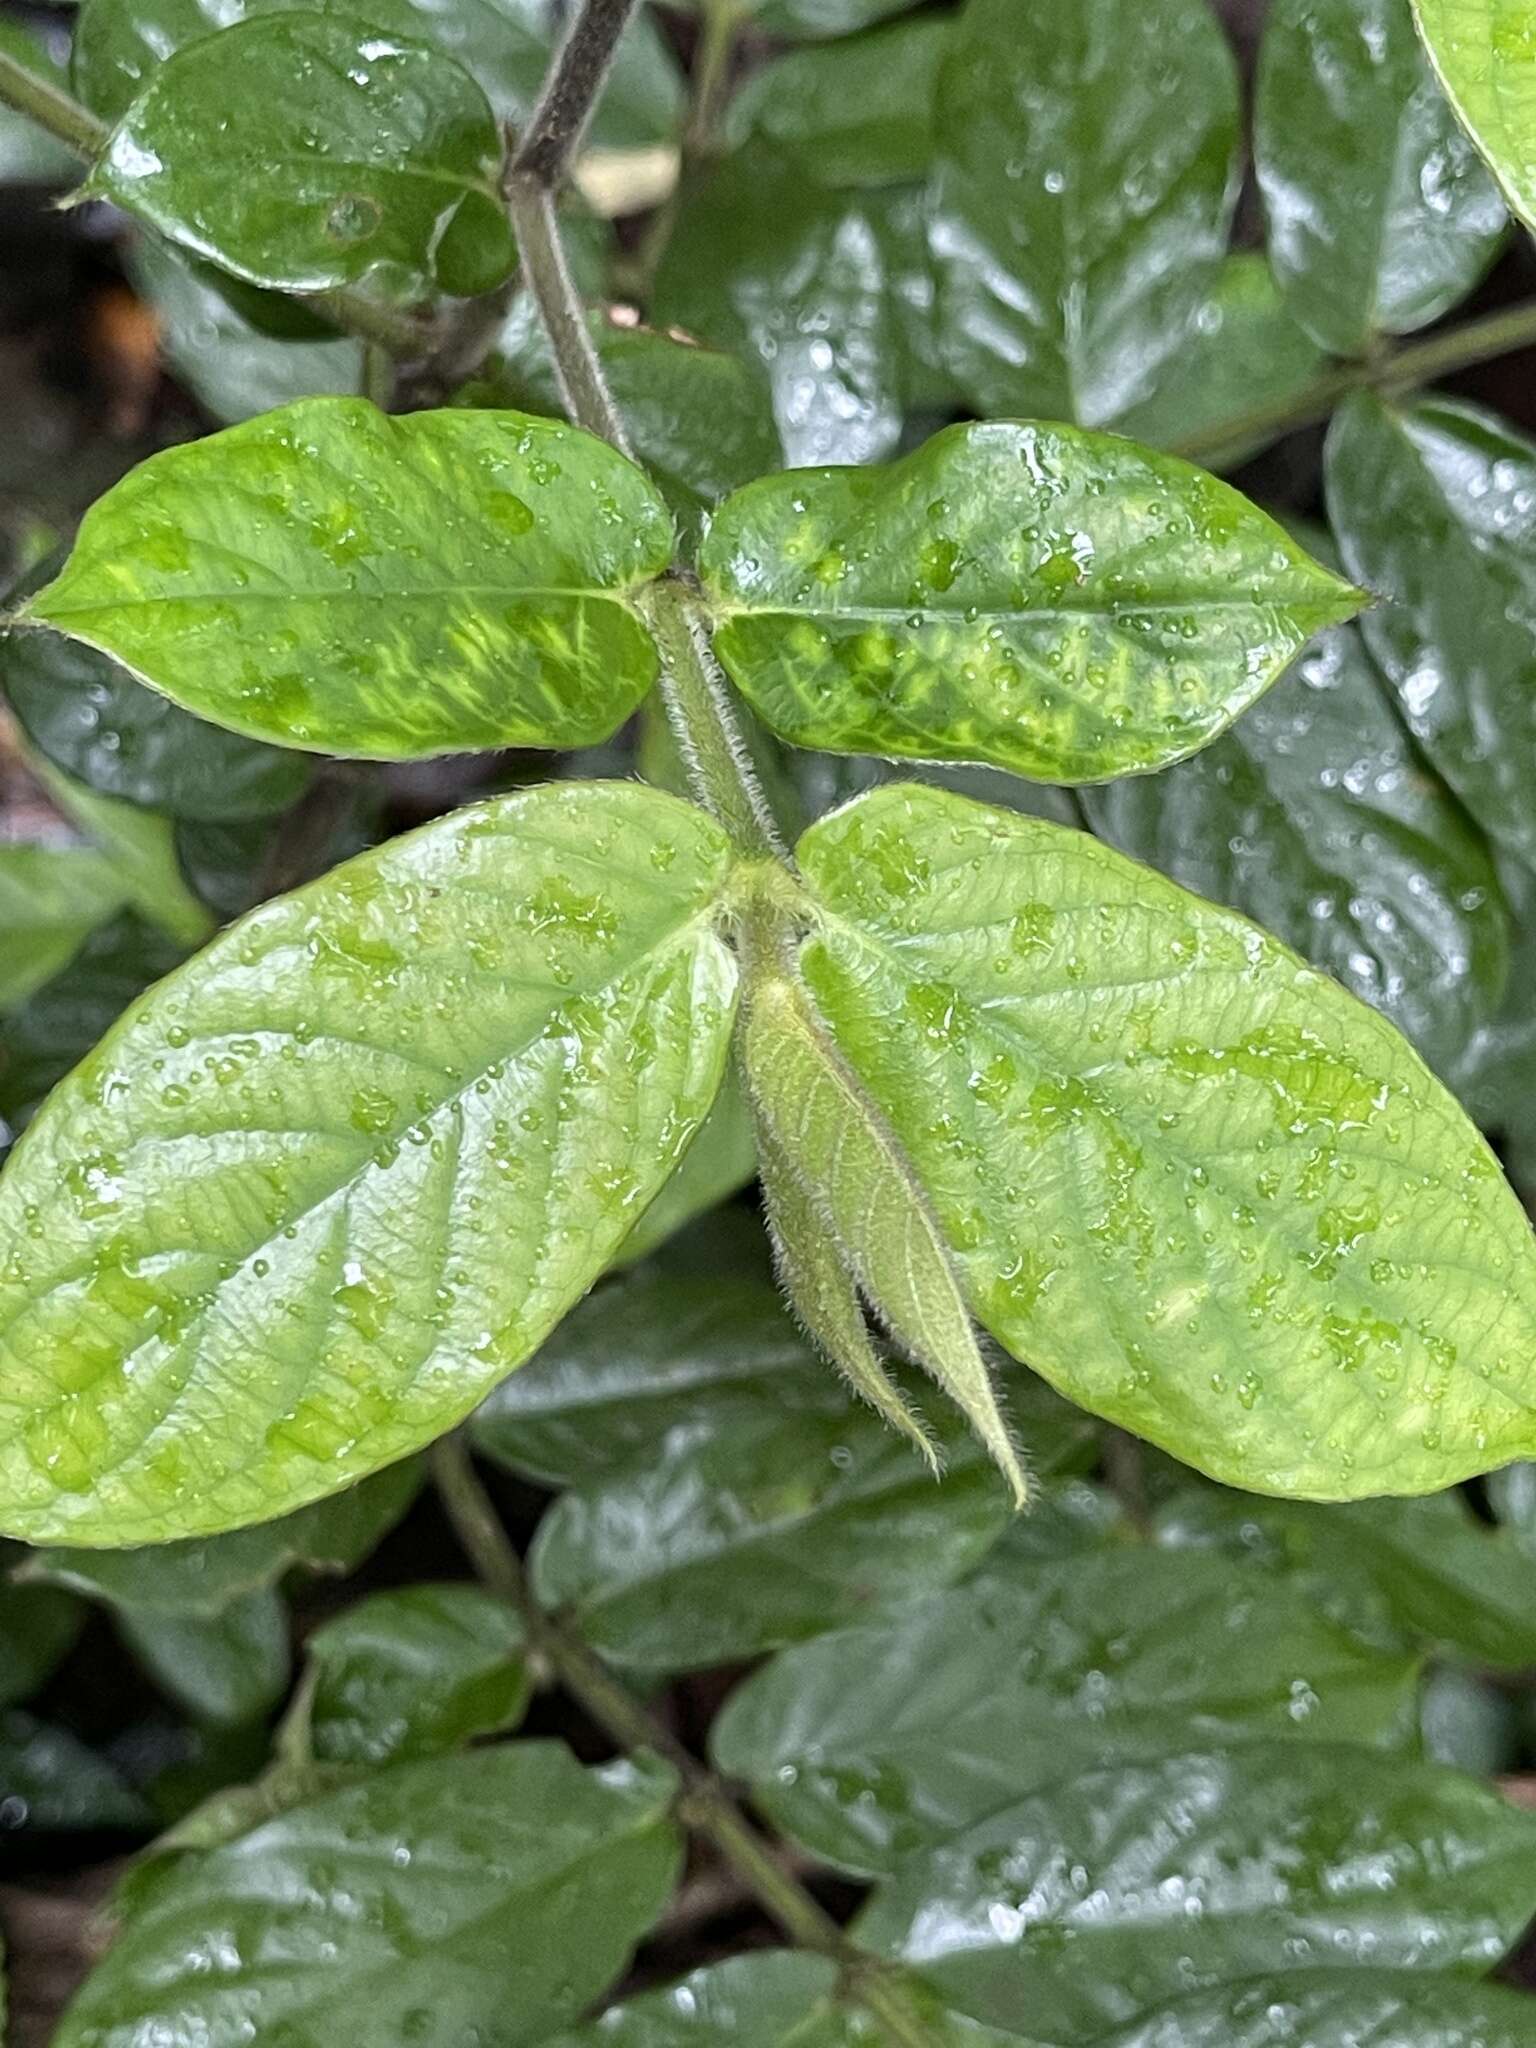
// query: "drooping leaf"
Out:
[225,361]
[332,578]
[1086,181]
[92,720]
[1058,603]
[1242,349]
[1194,1183]
[505,44]
[227,1667]
[969,1699]
[303,151]
[51,1782]
[414,1672]
[1315,817]
[51,898]
[1434,506]
[38,1627]
[343,1172]
[1097,1898]
[1337,2008]
[1394,1571]
[446,1900]
[770,266]
[333,1536]
[1483,52]
[851,113]
[1381,217]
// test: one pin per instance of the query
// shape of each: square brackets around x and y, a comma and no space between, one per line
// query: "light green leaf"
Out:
[851,113]
[50,1782]
[471,1897]
[415,1672]
[334,1536]
[505,44]
[1486,59]
[1316,817]
[338,1176]
[225,361]
[1193,1182]
[769,266]
[38,1627]
[1087,172]
[1242,349]
[228,1667]
[1096,1898]
[1054,602]
[1338,2008]
[51,897]
[470,589]
[1380,216]
[969,1699]
[1433,509]
[718,1162]
[142,848]
[1393,1571]
[306,151]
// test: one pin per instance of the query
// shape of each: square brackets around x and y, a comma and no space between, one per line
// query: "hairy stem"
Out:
[1419,362]
[571,90]
[583,387]
[705,1807]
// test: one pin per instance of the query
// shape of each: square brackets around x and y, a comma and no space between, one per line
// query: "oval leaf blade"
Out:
[304,151]
[331,578]
[1060,603]
[332,1180]
[1194,1183]
[1486,58]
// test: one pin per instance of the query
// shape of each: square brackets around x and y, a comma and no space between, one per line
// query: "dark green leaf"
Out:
[1483,51]
[1380,215]
[1242,349]
[51,1783]
[1086,181]
[1418,1571]
[95,722]
[504,1027]
[38,1626]
[305,151]
[505,44]
[1338,2008]
[967,1700]
[227,1667]
[1435,508]
[413,1673]
[1468,1722]
[231,366]
[1315,816]
[332,578]
[814,18]
[202,1578]
[770,267]
[1194,1183]
[852,113]
[1058,603]
[1089,1902]
[468,1898]
[51,898]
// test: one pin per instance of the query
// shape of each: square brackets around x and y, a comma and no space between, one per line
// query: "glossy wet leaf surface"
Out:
[1433,508]
[51,899]
[1317,818]
[229,1667]
[970,1698]
[1483,52]
[414,1672]
[1057,603]
[1088,1902]
[331,578]
[1196,1185]
[437,1897]
[343,1172]
[304,151]
[854,112]
[1394,1571]
[91,718]
[1085,185]
[1381,215]
[718,1163]
[504,44]
[1337,2009]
